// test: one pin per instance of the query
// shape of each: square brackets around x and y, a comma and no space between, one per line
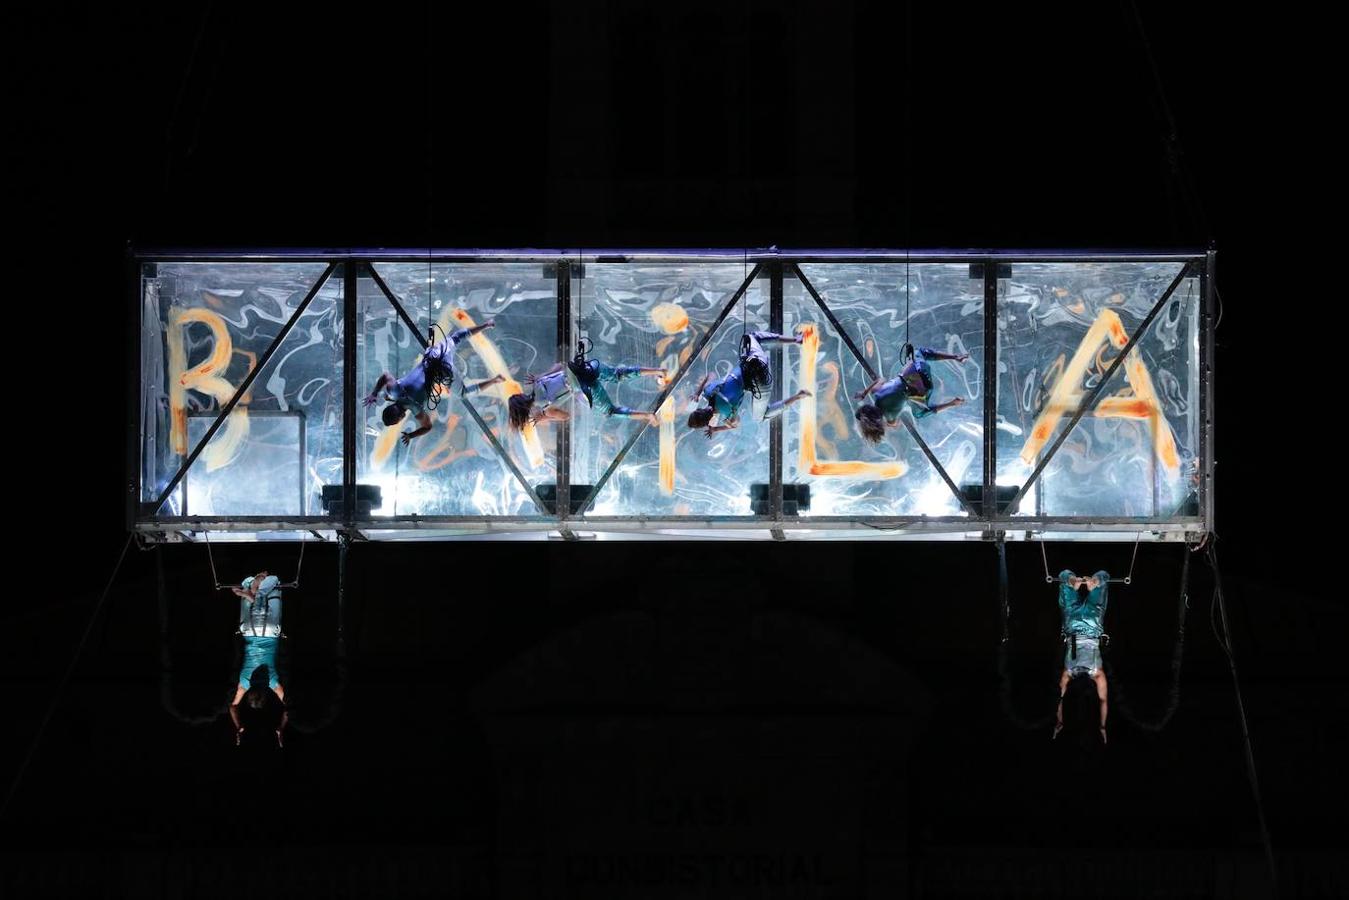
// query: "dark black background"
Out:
[548,720]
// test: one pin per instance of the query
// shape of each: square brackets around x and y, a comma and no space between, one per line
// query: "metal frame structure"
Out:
[986,519]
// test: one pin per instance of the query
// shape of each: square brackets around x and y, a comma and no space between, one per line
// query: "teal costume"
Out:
[913,383]
[592,375]
[260,625]
[259,651]
[1083,623]
[726,394]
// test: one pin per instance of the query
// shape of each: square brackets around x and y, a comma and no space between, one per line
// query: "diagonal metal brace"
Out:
[1095,394]
[397,307]
[243,388]
[505,457]
[669,388]
[472,410]
[871,373]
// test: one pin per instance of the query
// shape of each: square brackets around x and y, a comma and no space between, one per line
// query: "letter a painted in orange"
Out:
[1140,403]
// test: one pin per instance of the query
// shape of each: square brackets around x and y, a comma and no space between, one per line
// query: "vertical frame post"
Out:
[135,302]
[1206,375]
[775,320]
[563,429]
[350,335]
[989,507]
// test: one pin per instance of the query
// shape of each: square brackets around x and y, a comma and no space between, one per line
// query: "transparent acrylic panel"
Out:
[205,327]
[454,470]
[1060,326]
[269,476]
[653,315]
[849,476]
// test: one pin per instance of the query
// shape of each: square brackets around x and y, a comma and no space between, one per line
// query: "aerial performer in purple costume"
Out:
[421,386]
[750,376]
[913,385]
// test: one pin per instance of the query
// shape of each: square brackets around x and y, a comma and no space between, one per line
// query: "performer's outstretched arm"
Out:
[771,337]
[481,385]
[248,589]
[649,417]
[462,333]
[931,410]
[384,380]
[531,378]
[939,354]
[728,422]
[424,421]
[698,391]
[868,389]
[621,372]
[549,414]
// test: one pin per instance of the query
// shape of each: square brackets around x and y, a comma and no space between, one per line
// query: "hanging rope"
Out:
[744,301]
[215,578]
[1004,677]
[580,299]
[907,341]
[333,706]
[299,564]
[908,195]
[300,722]
[1119,698]
[166,670]
[1225,642]
[437,373]
[65,679]
[430,166]
[1179,175]
[435,390]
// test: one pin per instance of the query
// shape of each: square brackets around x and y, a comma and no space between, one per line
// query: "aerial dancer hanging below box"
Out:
[260,625]
[1082,604]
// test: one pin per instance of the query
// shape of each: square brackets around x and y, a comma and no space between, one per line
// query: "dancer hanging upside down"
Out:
[591,375]
[751,375]
[912,385]
[421,386]
[1082,604]
[260,625]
